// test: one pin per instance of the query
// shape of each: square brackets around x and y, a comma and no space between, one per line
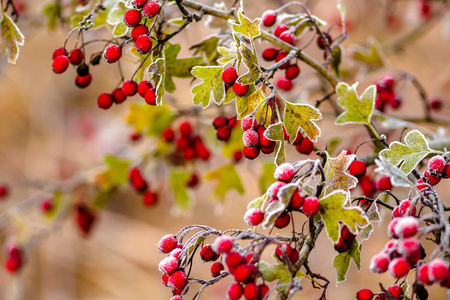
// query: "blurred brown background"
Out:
[51,130]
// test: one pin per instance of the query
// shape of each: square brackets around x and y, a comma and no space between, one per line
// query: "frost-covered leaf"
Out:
[397,176]
[247,105]
[359,109]
[251,62]
[151,120]
[334,210]
[275,133]
[178,182]
[12,38]
[276,208]
[158,69]
[120,29]
[208,46]
[227,54]
[266,178]
[116,14]
[341,262]
[371,54]
[335,176]
[227,178]
[410,154]
[212,83]
[374,216]
[301,116]
[247,27]
[258,202]
[277,271]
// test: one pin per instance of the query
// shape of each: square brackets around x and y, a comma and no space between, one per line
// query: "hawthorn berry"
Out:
[270,149]
[137,180]
[151,9]
[223,133]
[432,180]
[76,56]
[168,265]
[143,87]
[138,31]
[177,280]
[251,152]
[292,72]
[235,291]
[4,191]
[270,54]
[222,244]
[167,243]
[311,206]
[220,121]
[132,18]
[105,100]
[280,56]
[185,129]
[384,183]
[422,275]
[176,297]
[285,84]
[274,188]
[269,18]
[280,29]
[285,248]
[60,64]
[296,200]
[399,267]
[234,259]
[284,172]
[240,89]
[403,208]
[438,270]
[391,227]
[286,36]
[150,198]
[83,81]
[250,138]
[283,220]
[229,75]
[138,3]
[410,249]
[243,272]
[435,104]
[168,134]
[436,165]
[306,146]
[46,205]
[248,123]
[84,218]
[216,268]
[112,53]
[251,291]
[253,216]
[59,51]
[150,97]
[263,290]
[396,291]
[176,253]
[364,294]
[357,168]
[14,260]
[207,253]
[118,95]
[406,227]
[129,88]
[144,44]
[321,43]
[342,245]
[379,263]
[237,156]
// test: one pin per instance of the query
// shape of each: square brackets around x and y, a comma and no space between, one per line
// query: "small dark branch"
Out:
[373,200]
[423,95]
[326,97]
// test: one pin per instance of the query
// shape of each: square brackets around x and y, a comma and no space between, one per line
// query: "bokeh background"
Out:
[51,131]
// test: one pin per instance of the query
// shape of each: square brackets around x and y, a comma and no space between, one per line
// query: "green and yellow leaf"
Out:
[12,38]
[227,179]
[301,116]
[359,109]
[335,176]
[212,83]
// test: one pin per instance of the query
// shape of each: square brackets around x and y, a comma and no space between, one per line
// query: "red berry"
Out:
[46,205]
[235,291]
[143,87]
[396,291]
[177,280]
[243,272]
[207,253]
[119,95]
[112,53]
[403,208]
[105,100]
[283,220]
[144,44]
[138,3]
[280,29]
[286,36]
[379,263]
[281,55]
[237,156]
[368,186]
[435,104]
[176,253]
[251,291]
[150,198]
[150,97]
[269,149]
[14,260]
[240,89]
[436,165]
[248,123]
[410,249]
[59,51]
[384,183]
[168,134]
[284,172]
[432,180]
[285,248]
[274,188]
[176,297]
[438,270]
[251,153]
[168,265]
[346,234]
[234,259]
[321,42]
[422,275]
[284,84]
[292,72]
[399,267]
[446,173]
[216,268]
[137,180]
[60,64]
[406,227]
[269,18]
[220,121]
[264,141]
[129,88]
[311,206]
[132,18]
[296,201]
[391,227]
[364,294]
[4,191]
[185,129]
[357,168]
[151,9]
[270,54]
[138,31]
[76,56]
[263,290]
[167,243]
[229,75]
[84,218]
[83,81]
[223,133]
[250,138]
[254,216]
[305,146]
[342,245]
[222,244]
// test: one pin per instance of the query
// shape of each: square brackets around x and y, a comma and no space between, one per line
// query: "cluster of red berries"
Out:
[84,218]
[224,125]
[129,88]
[393,291]
[303,144]
[359,169]
[62,59]
[14,259]
[172,275]
[139,183]
[386,94]
[229,77]
[188,146]
[438,168]
[254,139]
[345,240]
[244,270]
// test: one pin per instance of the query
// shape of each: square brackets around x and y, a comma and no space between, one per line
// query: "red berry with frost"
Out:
[251,152]
[138,31]
[285,248]
[235,291]
[396,291]
[105,100]
[248,123]
[280,56]
[422,275]
[216,268]
[151,9]
[403,208]
[83,81]
[391,227]
[76,56]
[138,3]
[391,245]
[220,121]
[177,280]
[129,88]
[223,244]
[364,294]
[132,18]
[283,220]
[168,134]
[306,146]
[274,188]
[285,84]
[119,95]
[292,72]
[207,253]
[223,133]
[270,54]
[165,279]
[234,259]
[112,53]
[176,297]
[284,172]
[60,64]
[254,216]
[250,138]
[60,51]
[286,36]
[240,89]
[150,97]
[280,29]
[357,168]
[144,44]
[432,180]
[229,75]
[311,206]
[409,248]
[438,270]
[251,291]
[406,227]
[175,253]
[143,87]
[321,42]
[150,198]
[296,201]
[384,183]
[167,243]
[436,165]
[399,267]
[269,18]
[168,265]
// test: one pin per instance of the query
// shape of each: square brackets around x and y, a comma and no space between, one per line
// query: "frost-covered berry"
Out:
[138,3]
[207,253]
[250,138]
[176,297]
[167,243]
[286,36]
[406,227]
[438,270]
[399,267]
[296,200]
[280,29]
[274,188]
[431,179]
[269,18]
[253,216]
[112,53]
[284,172]
[436,165]
[379,263]
[357,168]
[409,248]
[364,294]
[176,253]
[311,206]
[144,44]
[391,227]
[132,18]
[235,291]
[422,275]
[216,268]
[229,75]
[222,244]
[396,291]
[177,280]
[168,265]
[151,9]
[248,123]
[403,208]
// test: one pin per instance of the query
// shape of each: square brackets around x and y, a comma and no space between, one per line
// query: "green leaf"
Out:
[227,178]
[150,119]
[410,154]
[371,54]
[116,14]
[301,115]
[212,83]
[12,39]
[266,178]
[277,271]
[359,109]
[208,46]
[116,173]
[247,105]
[158,69]
[335,176]
[374,216]
[275,133]
[234,143]
[336,58]
[341,262]
[258,202]
[251,62]
[333,209]
[120,29]
[178,181]
[250,29]
[52,12]
[228,54]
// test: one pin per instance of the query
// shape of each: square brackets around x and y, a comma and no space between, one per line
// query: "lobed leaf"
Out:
[227,178]
[397,176]
[359,109]
[247,105]
[12,39]
[250,29]
[335,176]
[301,116]
[275,133]
[212,83]
[149,119]
[341,262]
